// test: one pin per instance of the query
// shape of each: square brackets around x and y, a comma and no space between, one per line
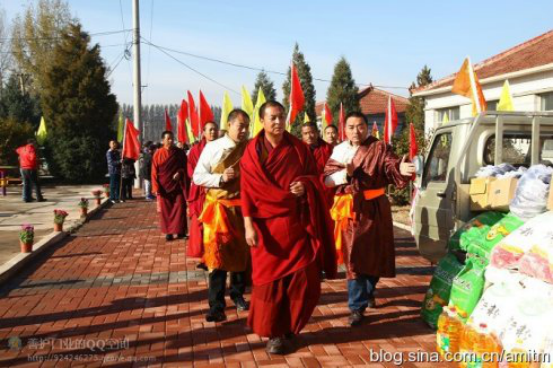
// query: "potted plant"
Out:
[83,204]
[59,218]
[26,237]
[97,196]
[106,190]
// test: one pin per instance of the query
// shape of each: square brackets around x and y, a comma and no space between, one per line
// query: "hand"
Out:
[229,174]
[176,176]
[407,168]
[350,169]
[251,235]
[297,189]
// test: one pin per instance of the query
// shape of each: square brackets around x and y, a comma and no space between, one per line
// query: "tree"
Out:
[263,82]
[415,111]
[80,108]
[34,38]
[14,134]
[306,81]
[343,89]
[6,59]
[19,105]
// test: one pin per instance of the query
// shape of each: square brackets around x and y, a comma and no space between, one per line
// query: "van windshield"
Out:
[516,149]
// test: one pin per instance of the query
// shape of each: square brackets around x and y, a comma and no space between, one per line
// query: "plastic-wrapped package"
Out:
[467,287]
[509,251]
[483,245]
[495,170]
[473,229]
[537,262]
[516,173]
[438,293]
[532,192]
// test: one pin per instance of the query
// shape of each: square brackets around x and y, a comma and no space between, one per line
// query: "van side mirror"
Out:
[418,162]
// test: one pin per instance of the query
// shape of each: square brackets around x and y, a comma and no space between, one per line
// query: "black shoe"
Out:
[27,200]
[275,346]
[202,266]
[42,200]
[356,318]
[216,316]
[181,235]
[241,304]
[169,237]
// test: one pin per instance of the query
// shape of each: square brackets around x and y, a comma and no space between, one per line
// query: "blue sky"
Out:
[386,42]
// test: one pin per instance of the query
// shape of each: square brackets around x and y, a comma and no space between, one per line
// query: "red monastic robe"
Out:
[322,152]
[295,240]
[195,199]
[171,198]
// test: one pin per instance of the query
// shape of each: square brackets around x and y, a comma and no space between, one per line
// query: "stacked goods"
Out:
[473,229]
[537,260]
[438,294]
[449,331]
[467,287]
[532,192]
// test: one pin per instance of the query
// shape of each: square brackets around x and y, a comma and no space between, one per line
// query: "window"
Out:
[452,113]
[546,101]
[436,168]
[516,149]
[492,105]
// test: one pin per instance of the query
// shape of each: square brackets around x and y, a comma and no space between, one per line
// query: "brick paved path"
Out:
[116,282]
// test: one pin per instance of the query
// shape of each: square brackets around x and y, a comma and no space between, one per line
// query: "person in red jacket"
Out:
[28,163]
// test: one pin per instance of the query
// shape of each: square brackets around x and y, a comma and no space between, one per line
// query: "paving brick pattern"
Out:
[116,294]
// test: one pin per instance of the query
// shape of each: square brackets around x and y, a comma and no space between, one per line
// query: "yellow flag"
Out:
[306,118]
[445,119]
[505,103]
[41,133]
[190,135]
[225,110]
[467,84]
[257,127]
[120,127]
[246,104]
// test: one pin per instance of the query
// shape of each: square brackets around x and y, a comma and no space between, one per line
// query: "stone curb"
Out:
[15,264]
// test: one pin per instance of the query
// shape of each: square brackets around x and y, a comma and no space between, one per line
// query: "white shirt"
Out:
[210,157]
[343,153]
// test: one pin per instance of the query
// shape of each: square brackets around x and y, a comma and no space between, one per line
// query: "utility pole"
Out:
[137,105]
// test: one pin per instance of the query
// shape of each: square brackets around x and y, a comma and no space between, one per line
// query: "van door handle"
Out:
[441,194]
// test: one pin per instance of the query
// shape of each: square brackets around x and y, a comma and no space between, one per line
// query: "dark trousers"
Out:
[114,186]
[127,188]
[217,286]
[30,180]
[360,290]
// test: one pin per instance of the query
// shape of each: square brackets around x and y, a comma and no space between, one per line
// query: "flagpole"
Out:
[122,153]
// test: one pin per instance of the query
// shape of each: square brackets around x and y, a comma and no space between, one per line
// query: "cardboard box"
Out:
[479,190]
[502,191]
[550,207]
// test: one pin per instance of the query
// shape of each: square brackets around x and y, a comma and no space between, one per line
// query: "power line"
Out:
[59,37]
[251,67]
[195,71]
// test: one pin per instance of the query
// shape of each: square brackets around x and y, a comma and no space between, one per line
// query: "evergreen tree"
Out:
[13,134]
[415,111]
[80,108]
[306,81]
[18,105]
[343,89]
[263,81]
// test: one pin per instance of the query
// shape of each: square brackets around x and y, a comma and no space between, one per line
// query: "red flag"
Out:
[182,116]
[296,97]
[131,145]
[328,114]
[342,133]
[391,121]
[206,114]
[413,146]
[193,116]
[168,125]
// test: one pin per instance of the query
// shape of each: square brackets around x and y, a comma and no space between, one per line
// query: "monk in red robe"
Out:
[197,194]
[288,230]
[321,151]
[360,169]
[169,177]
[331,135]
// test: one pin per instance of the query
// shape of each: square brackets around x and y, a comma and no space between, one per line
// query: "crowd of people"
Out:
[276,212]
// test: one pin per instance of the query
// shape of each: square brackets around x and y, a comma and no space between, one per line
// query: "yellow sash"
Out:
[342,211]
[217,229]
